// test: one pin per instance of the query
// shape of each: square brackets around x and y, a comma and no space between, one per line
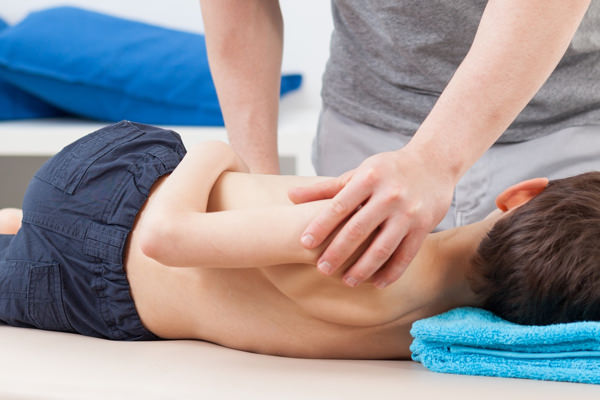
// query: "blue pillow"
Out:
[16,104]
[108,68]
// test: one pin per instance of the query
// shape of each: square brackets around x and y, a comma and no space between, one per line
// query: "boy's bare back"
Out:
[289,309]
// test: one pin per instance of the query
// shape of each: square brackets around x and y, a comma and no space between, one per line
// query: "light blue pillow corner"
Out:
[17,104]
[109,68]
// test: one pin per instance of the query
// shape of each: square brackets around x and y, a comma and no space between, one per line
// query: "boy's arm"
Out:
[177,231]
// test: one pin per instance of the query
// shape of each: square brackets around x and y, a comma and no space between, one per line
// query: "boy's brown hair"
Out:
[541,264]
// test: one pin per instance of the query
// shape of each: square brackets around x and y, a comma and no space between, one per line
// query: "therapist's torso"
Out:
[391,59]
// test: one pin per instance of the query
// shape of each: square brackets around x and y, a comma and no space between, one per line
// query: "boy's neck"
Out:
[455,249]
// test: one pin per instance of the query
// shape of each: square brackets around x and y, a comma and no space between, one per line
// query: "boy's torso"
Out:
[248,310]
[289,310]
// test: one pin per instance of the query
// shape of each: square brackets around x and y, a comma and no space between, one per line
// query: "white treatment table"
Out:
[51,365]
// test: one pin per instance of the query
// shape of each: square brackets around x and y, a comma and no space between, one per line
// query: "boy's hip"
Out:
[77,214]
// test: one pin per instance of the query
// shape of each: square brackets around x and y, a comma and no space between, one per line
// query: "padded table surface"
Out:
[52,365]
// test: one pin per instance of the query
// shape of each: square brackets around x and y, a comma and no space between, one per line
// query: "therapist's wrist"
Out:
[258,152]
[428,153]
[269,167]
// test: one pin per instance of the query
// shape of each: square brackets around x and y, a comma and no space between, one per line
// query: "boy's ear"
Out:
[520,193]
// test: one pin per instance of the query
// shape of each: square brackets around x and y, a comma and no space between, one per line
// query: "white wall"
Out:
[307,29]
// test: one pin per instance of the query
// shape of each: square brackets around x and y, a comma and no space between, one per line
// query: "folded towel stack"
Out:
[476,342]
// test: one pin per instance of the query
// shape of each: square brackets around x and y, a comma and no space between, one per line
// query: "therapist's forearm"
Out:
[244,41]
[517,46]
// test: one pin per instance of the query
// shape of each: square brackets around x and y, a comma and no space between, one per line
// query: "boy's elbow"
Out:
[156,238]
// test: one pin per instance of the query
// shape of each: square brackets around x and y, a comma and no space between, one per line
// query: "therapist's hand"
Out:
[399,196]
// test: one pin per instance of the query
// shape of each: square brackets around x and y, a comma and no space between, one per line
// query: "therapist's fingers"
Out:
[342,205]
[319,191]
[354,232]
[381,249]
[400,260]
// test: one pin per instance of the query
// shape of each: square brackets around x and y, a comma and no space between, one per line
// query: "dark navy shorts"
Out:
[63,270]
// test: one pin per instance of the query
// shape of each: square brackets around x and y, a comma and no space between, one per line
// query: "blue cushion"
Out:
[109,68]
[17,104]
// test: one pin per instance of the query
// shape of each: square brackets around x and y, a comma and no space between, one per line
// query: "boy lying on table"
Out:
[123,237]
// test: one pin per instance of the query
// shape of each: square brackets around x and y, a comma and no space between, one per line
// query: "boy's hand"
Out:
[397,196]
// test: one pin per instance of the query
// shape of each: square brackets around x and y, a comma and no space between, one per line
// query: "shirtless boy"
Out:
[125,238]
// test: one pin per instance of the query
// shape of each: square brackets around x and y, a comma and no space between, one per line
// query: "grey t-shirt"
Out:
[391,59]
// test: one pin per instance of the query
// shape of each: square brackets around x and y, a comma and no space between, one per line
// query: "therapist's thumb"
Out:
[319,191]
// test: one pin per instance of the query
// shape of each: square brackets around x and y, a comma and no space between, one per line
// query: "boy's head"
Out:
[540,263]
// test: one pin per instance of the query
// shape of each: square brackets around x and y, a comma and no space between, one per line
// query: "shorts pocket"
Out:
[66,169]
[31,295]
[44,297]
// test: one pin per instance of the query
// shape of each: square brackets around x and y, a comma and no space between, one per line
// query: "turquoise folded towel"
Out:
[473,341]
